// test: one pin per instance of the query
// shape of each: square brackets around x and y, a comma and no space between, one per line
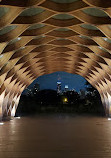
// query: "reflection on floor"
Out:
[56,136]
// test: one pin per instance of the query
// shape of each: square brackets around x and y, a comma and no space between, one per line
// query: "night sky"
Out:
[50,81]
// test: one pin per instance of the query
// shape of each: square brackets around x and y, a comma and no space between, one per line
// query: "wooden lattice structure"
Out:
[39,37]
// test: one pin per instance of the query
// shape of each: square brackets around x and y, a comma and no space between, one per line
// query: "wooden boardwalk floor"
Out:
[61,136]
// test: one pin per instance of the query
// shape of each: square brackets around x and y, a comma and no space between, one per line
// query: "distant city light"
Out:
[65,100]
[58,82]
[66,86]
[58,87]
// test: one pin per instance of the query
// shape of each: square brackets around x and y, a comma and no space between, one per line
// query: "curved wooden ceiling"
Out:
[39,37]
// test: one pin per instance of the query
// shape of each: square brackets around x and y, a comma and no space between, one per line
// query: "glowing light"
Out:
[58,82]
[1,123]
[66,86]
[19,38]
[13,111]
[109,119]
[18,117]
[65,100]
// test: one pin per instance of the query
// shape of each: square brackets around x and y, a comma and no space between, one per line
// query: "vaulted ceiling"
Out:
[39,37]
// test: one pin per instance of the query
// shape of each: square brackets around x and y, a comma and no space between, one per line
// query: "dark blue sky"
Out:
[50,81]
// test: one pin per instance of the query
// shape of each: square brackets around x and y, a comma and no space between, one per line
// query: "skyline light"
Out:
[50,81]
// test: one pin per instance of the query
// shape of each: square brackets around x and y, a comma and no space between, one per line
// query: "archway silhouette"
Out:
[60,92]
[40,37]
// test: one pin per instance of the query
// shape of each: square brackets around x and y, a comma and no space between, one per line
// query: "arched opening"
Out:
[60,92]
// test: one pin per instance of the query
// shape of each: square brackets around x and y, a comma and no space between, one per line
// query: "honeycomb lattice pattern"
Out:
[39,37]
